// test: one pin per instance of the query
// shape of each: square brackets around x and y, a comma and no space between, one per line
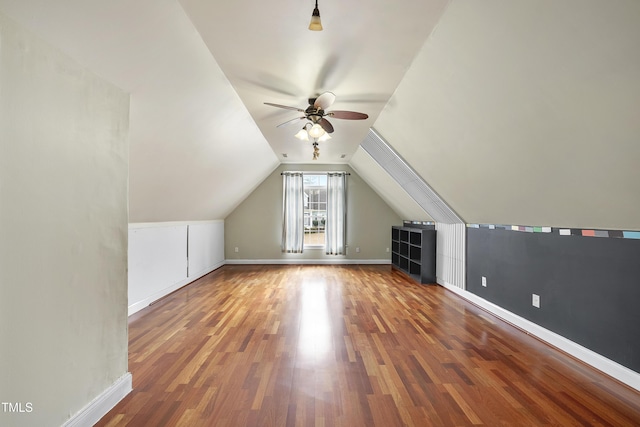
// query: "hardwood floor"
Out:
[348,346]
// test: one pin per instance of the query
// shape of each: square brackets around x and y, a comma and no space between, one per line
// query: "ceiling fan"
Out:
[316,113]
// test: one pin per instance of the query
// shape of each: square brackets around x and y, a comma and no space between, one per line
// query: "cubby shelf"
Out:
[413,251]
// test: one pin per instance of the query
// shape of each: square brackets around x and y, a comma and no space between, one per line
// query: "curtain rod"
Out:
[314,172]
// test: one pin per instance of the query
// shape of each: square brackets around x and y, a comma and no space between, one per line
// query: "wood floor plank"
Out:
[348,346]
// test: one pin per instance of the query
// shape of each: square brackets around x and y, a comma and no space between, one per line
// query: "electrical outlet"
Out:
[535,300]
[357,249]
[387,249]
[236,249]
[484,281]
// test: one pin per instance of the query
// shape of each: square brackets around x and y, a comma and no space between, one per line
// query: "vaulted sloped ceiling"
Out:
[514,112]
[269,55]
[386,187]
[199,72]
[527,112]
[195,151]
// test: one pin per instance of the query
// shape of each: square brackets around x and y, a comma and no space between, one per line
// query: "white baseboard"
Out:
[597,361]
[300,261]
[139,305]
[199,274]
[98,407]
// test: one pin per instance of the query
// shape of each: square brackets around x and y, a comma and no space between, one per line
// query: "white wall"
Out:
[63,233]
[164,257]
[451,254]
[206,247]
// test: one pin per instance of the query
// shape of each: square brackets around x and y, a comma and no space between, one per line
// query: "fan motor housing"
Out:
[314,114]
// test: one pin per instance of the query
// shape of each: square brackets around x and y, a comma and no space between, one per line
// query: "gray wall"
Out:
[63,231]
[255,226]
[588,286]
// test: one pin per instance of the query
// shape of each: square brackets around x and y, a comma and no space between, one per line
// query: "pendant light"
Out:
[316,131]
[315,24]
[302,134]
[324,137]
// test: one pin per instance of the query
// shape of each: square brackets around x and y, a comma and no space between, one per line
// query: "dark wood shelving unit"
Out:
[413,251]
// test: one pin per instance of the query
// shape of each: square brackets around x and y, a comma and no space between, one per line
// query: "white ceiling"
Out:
[269,55]
[386,187]
[519,112]
[200,71]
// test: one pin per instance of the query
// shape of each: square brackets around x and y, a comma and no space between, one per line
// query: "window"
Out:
[314,212]
[315,209]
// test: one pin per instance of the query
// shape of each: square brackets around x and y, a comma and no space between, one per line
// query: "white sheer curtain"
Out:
[292,212]
[336,228]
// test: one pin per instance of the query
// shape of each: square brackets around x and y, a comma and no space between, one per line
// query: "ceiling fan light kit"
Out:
[302,134]
[315,24]
[316,131]
[324,137]
[317,126]
[313,131]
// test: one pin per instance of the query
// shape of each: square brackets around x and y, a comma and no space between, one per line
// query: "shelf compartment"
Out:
[415,253]
[415,238]
[403,263]
[395,247]
[404,249]
[414,268]
[395,259]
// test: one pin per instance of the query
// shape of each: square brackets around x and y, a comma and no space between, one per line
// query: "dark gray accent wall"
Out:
[589,287]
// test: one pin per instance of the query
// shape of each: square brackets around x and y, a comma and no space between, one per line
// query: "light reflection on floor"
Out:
[314,339]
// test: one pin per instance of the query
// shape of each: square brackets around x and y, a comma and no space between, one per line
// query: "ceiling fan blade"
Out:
[324,101]
[347,115]
[328,127]
[286,107]
[291,121]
